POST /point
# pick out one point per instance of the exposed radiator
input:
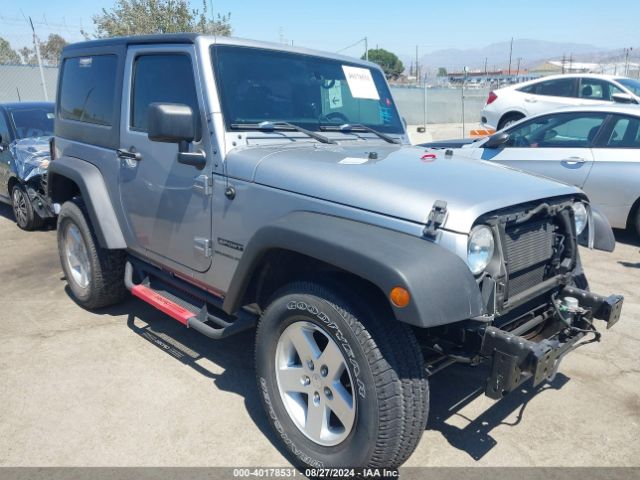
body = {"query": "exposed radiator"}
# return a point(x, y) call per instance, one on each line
point(528, 250)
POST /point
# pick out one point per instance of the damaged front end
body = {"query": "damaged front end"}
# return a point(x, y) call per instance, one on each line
point(534, 348)
point(537, 302)
point(31, 157)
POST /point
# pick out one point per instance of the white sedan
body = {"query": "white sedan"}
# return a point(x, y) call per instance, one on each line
point(510, 104)
point(594, 148)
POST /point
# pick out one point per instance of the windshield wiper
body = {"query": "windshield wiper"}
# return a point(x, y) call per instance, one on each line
point(355, 127)
point(283, 126)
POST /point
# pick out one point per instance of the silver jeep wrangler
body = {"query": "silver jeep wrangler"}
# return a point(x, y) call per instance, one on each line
point(233, 184)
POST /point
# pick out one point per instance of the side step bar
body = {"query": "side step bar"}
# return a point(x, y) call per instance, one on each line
point(194, 317)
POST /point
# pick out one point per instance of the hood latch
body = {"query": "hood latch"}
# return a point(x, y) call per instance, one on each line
point(437, 216)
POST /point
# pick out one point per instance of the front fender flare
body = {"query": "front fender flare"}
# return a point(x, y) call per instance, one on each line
point(96, 197)
point(442, 288)
point(598, 234)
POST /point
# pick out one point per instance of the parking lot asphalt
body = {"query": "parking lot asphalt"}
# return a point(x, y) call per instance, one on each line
point(128, 386)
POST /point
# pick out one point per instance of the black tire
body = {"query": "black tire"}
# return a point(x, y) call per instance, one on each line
point(508, 119)
point(26, 217)
point(636, 224)
point(384, 359)
point(106, 273)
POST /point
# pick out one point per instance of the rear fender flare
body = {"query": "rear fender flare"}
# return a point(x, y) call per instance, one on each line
point(93, 190)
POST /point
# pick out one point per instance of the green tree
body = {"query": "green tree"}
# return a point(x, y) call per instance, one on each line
point(50, 51)
point(390, 63)
point(8, 54)
point(137, 17)
point(442, 72)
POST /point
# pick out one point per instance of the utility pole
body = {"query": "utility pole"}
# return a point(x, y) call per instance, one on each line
point(570, 62)
point(417, 67)
point(366, 49)
point(510, 55)
point(424, 104)
point(518, 70)
point(37, 49)
point(627, 51)
point(486, 74)
point(564, 59)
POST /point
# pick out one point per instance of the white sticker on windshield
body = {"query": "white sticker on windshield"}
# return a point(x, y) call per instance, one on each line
point(360, 82)
point(335, 95)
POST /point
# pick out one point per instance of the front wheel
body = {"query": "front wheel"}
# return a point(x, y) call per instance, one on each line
point(342, 383)
point(26, 216)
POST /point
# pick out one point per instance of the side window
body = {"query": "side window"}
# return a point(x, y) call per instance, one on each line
point(596, 89)
point(562, 87)
point(88, 89)
point(166, 78)
point(5, 138)
point(625, 133)
point(529, 88)
point(569, 130)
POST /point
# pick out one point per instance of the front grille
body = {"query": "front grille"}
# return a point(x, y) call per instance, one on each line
point(528, 250)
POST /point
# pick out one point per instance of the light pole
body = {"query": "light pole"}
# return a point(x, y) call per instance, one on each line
point(37, 49)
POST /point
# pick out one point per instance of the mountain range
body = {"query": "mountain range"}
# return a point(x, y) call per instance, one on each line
point(531, 52)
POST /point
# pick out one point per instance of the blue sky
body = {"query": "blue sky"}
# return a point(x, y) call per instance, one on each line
point(398, 25)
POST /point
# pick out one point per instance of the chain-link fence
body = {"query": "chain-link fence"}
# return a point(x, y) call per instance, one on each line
point(420, 106)
point(417, 105)
point(23, 83)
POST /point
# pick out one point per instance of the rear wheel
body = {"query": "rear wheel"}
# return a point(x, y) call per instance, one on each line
point(95, 275)
point(26, 217)
point(342, 383)
point(509, 119)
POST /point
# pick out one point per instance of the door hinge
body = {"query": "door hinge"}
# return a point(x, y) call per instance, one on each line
point(203, 184)
point(437, 216)
point(204, 246)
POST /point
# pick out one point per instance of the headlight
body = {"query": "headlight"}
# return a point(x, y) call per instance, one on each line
point(480, 249)
point(580, 216)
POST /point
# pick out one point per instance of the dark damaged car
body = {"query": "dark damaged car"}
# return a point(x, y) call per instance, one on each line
point(25, 131)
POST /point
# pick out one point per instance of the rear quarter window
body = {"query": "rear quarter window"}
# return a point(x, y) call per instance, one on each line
point(87, 91)
point(528, 88)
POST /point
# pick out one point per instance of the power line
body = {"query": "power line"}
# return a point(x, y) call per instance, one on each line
point(352, 45)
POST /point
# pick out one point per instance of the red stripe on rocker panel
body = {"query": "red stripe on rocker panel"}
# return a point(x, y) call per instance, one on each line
point(163, 304)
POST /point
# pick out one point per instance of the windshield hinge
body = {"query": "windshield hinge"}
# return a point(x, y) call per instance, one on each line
point(203, 184)
point(437, 216)
point(204, 246)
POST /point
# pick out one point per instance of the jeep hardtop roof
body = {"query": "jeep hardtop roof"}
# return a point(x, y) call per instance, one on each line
point(85, 47)
point(135, 40)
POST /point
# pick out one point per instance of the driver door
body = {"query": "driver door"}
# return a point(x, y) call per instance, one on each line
point(557, 146)
point(166, 204)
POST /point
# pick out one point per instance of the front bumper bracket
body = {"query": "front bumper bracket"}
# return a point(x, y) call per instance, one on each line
point(516, 359)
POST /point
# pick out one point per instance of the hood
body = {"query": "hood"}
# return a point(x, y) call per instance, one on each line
point(395, 180)
point(31, 156)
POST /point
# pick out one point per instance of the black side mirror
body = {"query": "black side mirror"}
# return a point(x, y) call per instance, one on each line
point(496, 140)
point(176, 123)
point(171, 123)
point(623, 98)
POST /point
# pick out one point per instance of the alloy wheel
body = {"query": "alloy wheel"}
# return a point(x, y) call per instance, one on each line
point(315, 383)
point(76, 255)
point(20, 207)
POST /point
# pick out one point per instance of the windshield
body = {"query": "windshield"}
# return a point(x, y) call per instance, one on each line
point(258, 85)
point(32, 121)
point(633, 85)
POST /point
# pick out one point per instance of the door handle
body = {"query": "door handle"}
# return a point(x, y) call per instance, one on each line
point(130, 154)
point(574, 160)
point(530, 100)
